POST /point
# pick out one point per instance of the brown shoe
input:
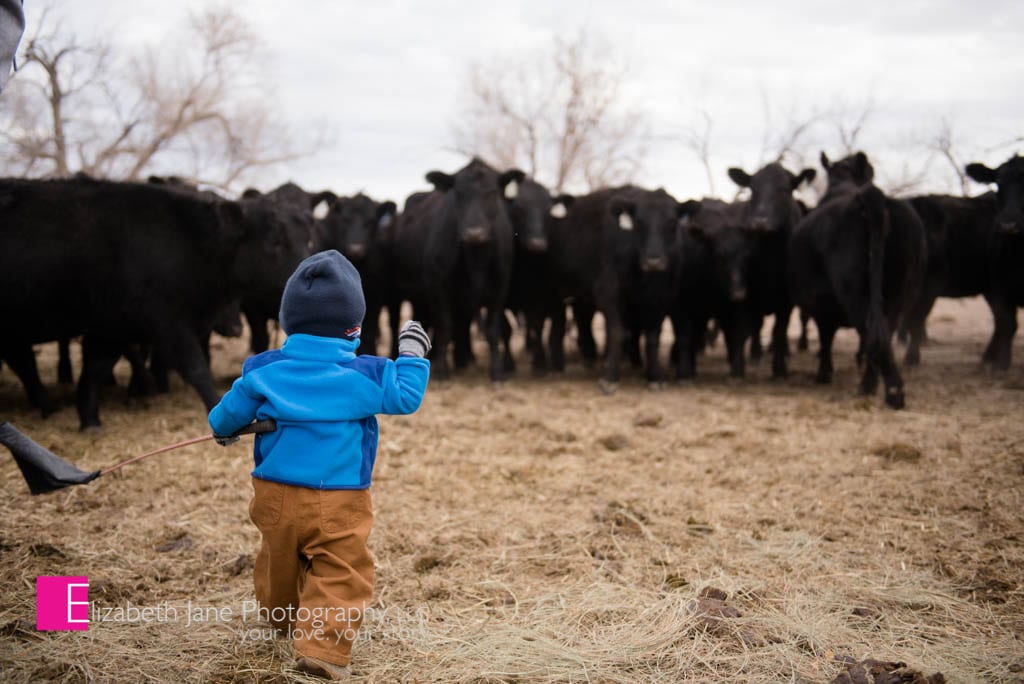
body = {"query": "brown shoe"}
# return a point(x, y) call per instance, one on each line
point(322, 669)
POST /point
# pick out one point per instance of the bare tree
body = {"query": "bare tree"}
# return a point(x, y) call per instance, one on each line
point(561, 117)
point(193, 113)
point(697, 138)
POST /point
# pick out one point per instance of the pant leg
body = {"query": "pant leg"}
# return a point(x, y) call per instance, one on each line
point(338, 584)
point(279, 567)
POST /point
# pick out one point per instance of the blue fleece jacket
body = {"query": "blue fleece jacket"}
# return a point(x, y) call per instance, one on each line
point(325, 400)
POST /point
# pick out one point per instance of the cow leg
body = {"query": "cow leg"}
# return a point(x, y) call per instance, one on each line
point(394, 318)
point(686, 345)
point(826, 333)
point(1005, 328)
point(368, 335)
point(780, 342)
point(98, 359)
point(158, 368)
point(507, 360)
point(583, 315)
point(756, 350)
point(462, 342)
point(613, 347)
point(535, 339)
point(913, 325)
point(493, 329)
point(259, 340)
point(442, 336)
point(881, 358)
point(803, 344)
point(64, 375)
point(22, 360)
point(185, 353)
point(556, 339)
point(631, 346)
point(869, 376)
point(652, 342)
point(735, 340)
point(141, 383)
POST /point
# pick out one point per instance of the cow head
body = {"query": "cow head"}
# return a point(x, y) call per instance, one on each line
point(717, 226)
point(771, 195)
point(276, 236)
point(474, 200)
point(355, 225)
point(531, 210)
point(646, 224)
point(850, 172)
point(1009, 180)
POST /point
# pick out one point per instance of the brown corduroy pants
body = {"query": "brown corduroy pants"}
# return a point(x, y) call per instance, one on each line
point(314, 573)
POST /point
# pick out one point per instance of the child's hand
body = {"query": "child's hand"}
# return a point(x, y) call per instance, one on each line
point(413, 340)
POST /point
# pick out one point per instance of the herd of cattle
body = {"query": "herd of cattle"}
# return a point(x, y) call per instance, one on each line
point(148, 270)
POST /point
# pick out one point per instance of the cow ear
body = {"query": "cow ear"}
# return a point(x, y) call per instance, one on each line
point(326, 196)
point(740, 177)
point(865, 172)
point(561, 205)
point(688, 208)
point(320, 204)
point(805, 176)
point(980, 173)
point(509, 183)
point(440, 180)
point(624, 211)
point(386, 213)
point(825, 164)
point(250, 193)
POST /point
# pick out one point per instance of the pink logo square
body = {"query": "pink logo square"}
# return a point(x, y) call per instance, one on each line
point(62, 603)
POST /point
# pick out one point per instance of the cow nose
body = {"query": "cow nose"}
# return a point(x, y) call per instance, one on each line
point(738, 294)
point(1009, 227)
point(759, 223)
point(655, 264)
point(475, 235)
point(356, 250)
point(537, 244)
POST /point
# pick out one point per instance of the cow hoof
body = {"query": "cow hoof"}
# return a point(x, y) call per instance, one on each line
point(656, 386)
point(91, 429)
point(894, 398)
point(607, 386)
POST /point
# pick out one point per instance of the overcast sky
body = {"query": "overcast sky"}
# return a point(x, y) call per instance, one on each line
point(384, 77)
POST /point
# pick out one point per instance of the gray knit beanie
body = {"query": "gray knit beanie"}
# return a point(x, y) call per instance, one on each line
point(324, 296)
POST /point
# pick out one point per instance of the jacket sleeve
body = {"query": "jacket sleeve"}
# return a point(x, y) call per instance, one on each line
point(236, 409)
point(404, 383)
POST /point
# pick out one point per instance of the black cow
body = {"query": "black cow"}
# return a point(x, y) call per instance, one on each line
point(618, 250)
point(149, 264)
point(1006, 255)
point(713, 286)
point(453, 256)
point(769, 218)
point(264, 305)
point(362, 229)
point(858, 260)
point(533, 291)
point(959, 234)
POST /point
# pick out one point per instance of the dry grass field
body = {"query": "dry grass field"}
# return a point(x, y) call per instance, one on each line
point(539, 531)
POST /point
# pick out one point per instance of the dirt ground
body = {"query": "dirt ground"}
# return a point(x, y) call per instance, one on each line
point(741, 531)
